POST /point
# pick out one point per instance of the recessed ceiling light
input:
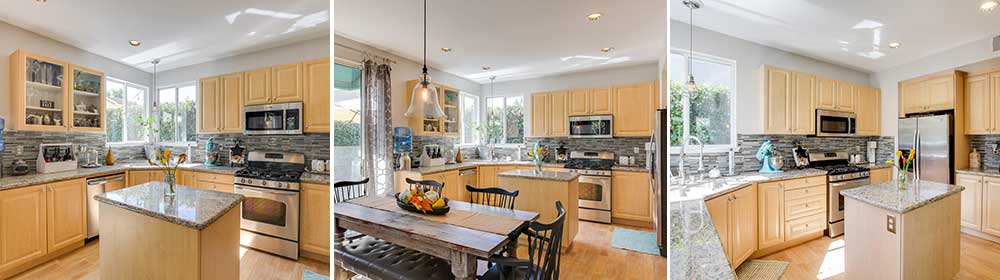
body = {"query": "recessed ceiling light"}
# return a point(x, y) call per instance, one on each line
point(446, 49)
point(486, 68)
point(134, 43)
point(894, 45)
point(594, 16)
point(608, 49)
point(988, 6)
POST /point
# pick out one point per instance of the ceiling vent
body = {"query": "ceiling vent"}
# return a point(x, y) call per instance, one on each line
point(996, 43)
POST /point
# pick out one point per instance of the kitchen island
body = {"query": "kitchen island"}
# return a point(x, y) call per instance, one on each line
point(902, 233)
point(192, 235)
point(539, 191)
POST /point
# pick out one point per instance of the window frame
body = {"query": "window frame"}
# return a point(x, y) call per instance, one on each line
point(148, 108)
point(478, 118)
point(159, 118)
point(525, 116)
point(717, 148)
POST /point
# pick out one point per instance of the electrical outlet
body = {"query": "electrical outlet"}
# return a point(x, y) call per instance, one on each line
point(890, 223)
point(635, 150)
point(18, 150)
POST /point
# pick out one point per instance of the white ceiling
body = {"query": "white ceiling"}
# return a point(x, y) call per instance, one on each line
point(848, 32)
point(518, 39)
point(179, 32)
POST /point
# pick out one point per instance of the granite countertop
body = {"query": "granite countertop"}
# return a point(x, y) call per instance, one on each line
point(695, 248)
point(191, 207)
point(544, 175)
point(477, 163)
point(11, 182)
point(979, 171)
point(888, 196)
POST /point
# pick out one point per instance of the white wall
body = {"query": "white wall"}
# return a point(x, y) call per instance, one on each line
point(13, 38)
point(404, 70)
point(888, 80)
point(305, 50)
point(749, 56)
point(645, 72)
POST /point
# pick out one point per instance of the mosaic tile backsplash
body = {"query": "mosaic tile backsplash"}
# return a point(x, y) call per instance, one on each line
point(748, 144)
point(983, 145)
point(621, 146)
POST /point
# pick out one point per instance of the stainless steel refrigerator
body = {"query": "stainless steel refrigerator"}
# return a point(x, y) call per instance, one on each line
point(932, 137)
point(656, 159)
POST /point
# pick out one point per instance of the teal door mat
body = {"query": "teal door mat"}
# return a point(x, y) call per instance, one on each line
point(634, 240)
point(309, 275)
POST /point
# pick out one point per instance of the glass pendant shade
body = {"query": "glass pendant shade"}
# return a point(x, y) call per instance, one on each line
point(425, 96)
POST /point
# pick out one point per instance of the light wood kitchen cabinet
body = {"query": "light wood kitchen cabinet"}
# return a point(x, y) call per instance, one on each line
point(735, 219)
point(930, 93)
point(633, 109)
point(771, 214)
point(315, 231)
point(880, 175)
point(66, 208)
point(286, 83)
point(449, 124)
point(788, 101)
point(972, 200)
point(23, 221)
point(845, 96)
point(139, 177)
point(979, 104)
point(316, 95)
point(213, 181)
point(450, 180)
point(549, 115)
point(487, 176)
point(87, 89)
point(590, 101)
point(991, 205)
point(631, 197)
point(258, 86)
point(868, 111)
point(45, 94)
point(826, 93)
point(232, 103)
point(209, 99)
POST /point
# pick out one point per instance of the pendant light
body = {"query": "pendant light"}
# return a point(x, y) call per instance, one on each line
point(692, 5)
point(423, 93)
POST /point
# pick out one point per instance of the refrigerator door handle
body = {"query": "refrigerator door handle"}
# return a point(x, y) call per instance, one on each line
point(916, 159)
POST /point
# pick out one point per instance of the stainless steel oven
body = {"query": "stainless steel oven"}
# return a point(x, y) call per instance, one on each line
point(269, 215)
point(590, 126)
point(835, 123)
point(836, 203)
point(282, 118)
point(269, 211)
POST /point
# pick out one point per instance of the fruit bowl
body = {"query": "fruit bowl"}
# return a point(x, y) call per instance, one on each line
point(433, 211)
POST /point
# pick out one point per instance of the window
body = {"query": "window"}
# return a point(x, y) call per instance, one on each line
point(127, 108)
point(347, 127)
point(505, 119)
point(470, 118)
point(711, 100)
point(178, 114)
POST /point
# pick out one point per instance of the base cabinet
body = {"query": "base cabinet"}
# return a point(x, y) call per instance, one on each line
point(40, 222)
point(315, 230)
point(631, 197)
point(972, 200)
point(880, 175)
point(735, 219)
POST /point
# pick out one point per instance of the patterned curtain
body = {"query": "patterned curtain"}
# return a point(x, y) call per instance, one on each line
point(377, 123)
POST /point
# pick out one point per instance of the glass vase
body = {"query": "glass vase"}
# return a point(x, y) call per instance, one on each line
point(538, 165)
point(170, 179)
point(901, 180)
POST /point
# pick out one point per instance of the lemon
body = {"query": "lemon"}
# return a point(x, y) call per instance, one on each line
point(439, 203)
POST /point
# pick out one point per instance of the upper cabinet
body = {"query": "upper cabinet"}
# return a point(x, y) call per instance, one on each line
point(789, 100)
point(221, 98)
point(982, 92)
point(51, 95)
point(448, 99)
point(633, 109)
point(549, 114)
point(936, 92)
point(589, 101)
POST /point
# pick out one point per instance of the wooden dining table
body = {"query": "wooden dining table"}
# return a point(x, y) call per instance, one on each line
point(466, 232)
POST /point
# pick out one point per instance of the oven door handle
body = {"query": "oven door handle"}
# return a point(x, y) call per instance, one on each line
point(274, 192)
point(850, 183)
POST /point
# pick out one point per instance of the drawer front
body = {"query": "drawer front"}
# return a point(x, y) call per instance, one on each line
point(805, 192)
point(804, 207)
point(805, 225)
point(805, 182)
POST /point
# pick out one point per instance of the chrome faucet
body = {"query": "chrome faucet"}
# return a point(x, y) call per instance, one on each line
point(701, 158)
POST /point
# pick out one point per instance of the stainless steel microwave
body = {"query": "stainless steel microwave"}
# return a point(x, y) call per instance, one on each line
point(590, 126)
point(281, 118)
point(835, 123)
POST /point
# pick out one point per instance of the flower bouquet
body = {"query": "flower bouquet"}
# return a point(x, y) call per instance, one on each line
point(169, 168)
point(537, 155)
point(903, 165)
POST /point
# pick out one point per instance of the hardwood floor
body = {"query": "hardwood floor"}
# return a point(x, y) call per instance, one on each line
point(823, 258)
point(592, 257)
point(83, 264)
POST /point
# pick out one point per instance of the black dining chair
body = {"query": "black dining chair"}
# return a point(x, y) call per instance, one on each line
point(496, 197)
point(348, 190)
point(426, 185)
point(544, 249)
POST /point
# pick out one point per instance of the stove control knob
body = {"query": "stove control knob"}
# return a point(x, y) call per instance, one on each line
point(282, 184)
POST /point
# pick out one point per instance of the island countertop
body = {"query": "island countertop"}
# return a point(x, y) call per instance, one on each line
point(890, 197)
point(543, 175)
point(191, 207)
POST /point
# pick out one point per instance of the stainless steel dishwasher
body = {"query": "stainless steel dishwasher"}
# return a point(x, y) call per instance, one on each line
point(96, 186)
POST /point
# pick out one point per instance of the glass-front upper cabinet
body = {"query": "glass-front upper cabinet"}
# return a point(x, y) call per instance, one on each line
point(452, 114)
point(87, 99)
point(39, 92)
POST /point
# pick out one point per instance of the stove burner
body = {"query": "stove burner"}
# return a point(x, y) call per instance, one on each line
point(842, 169)
point(589, 164)
point(270, 174)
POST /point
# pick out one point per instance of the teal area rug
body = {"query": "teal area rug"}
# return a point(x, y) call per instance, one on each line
point(634, 240)
point(309, 275)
